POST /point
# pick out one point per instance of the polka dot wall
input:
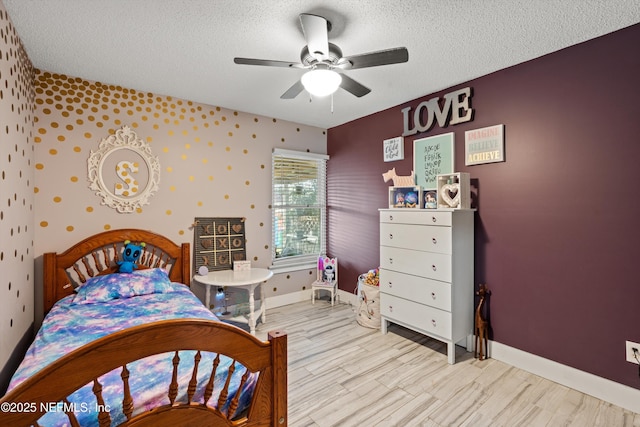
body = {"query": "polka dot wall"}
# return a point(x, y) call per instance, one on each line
point(214, 162)
point(16, 190)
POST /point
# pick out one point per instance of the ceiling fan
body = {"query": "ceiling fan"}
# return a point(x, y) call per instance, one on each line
point(323, 59)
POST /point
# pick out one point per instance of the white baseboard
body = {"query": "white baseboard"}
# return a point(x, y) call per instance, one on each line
point(299, 296)
point(601, 388)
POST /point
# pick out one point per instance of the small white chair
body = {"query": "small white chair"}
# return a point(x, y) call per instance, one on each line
point(328, 279)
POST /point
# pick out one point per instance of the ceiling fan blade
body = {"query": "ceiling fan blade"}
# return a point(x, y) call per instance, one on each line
point(293, 91)
point(317, 35)
point(353, 86)
point(374, 59)
point(267, 62)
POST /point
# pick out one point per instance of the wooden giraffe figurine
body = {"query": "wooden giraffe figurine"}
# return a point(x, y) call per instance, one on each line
point(482, 325)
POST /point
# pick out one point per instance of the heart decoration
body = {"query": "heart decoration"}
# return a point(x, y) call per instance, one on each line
point(237, 228)
point(450, 194)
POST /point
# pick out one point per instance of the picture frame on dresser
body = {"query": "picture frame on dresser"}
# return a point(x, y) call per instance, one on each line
point(405, 197)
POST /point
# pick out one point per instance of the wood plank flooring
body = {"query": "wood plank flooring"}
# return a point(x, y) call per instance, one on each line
point(343, 374)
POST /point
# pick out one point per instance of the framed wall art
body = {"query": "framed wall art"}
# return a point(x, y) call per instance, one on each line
point(485, 145)
point(123, 171)
point(433, 156)
point(218, 243)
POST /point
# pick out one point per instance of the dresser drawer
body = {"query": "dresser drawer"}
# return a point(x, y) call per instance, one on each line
point(420, 316)
point(418, 237)
point(417, 216)
point(426, 264)
point(424, 291)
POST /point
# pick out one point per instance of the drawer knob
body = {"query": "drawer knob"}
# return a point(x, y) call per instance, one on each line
point(391, 236)
point(433, 267)
point(390, 260)
point(390, 309)
point(390, 285)
point(434, 219)
point(390, 217)
point(433, 295)
point(434, 240)
point(433, 322)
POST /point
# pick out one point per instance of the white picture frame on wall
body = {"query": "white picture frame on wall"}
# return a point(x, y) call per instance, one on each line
point(484, 145)
point(393, 149)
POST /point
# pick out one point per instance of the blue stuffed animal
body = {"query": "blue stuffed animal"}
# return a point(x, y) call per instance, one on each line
point(131, 254)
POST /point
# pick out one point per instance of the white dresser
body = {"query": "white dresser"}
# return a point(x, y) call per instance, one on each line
point(426, 273)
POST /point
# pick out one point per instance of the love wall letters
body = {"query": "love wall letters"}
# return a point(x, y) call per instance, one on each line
point(455, 109)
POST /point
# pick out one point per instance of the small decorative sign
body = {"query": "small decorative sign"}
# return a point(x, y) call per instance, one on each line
point(485, 145)
point(393, 149)
point(241, 265)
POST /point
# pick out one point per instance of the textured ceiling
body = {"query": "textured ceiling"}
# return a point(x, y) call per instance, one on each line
point(185, 48)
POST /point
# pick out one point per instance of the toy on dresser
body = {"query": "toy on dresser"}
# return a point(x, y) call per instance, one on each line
point(398, 181)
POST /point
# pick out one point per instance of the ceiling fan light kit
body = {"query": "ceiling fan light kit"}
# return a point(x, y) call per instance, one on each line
point(321, 58)
point(321, 82)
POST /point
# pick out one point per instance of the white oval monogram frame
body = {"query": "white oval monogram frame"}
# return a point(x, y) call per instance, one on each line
point(120, 186)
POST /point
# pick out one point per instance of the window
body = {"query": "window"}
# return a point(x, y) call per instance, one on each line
point(298, 208)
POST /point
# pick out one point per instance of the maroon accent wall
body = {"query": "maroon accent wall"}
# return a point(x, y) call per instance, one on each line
point(558, 224)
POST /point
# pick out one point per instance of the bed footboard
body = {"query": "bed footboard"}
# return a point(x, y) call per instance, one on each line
point(268, 403)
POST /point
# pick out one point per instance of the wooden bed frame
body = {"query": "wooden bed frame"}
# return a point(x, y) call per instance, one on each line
point(98, 255)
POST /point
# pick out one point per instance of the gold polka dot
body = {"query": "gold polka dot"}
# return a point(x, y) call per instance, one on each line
point(226, 196)
point(53, 151)
point(57, 199)
point(165, 149)
point(39, 166)
point(69, 227)
point(44, 224)
point(168, 212)
point(229, 168)
point(247, 183)
point(89, 209)
point(169, 169)
point(227, 148)
point(205, 161)
point(192, 178)
point(77, 149)
point(74, 179)
point(187, 146)
point(183, 157)
point(107, 227)
point(199, 203)
point(253, 206)
point(172, 188)
point(210, 177)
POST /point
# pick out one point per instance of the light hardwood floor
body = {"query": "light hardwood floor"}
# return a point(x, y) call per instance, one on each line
point(342, 374)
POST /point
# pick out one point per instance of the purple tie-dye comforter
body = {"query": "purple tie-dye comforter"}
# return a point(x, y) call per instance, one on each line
point(70, 324)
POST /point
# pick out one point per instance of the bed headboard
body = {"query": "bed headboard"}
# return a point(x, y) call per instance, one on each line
point(97, 254)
